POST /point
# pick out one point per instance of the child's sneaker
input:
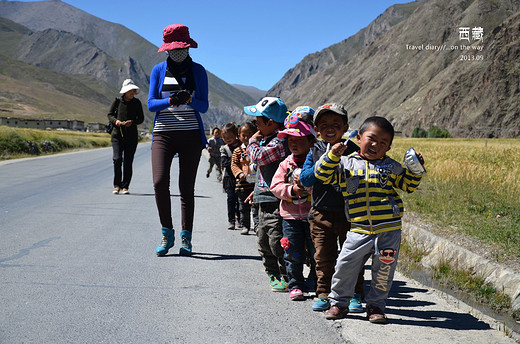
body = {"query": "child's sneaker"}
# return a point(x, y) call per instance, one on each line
point(355, 304)
point(296, 295)
point(274, 281)
point(321, 304)
point(278, 285)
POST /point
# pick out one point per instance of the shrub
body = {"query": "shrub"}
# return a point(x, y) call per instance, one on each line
point(436, 132)
point(419, 132)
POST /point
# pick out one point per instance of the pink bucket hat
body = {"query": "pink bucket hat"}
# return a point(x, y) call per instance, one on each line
point(177, 36)
point(295, 126)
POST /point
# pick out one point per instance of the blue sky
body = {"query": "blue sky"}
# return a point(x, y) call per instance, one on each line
point(245, 42)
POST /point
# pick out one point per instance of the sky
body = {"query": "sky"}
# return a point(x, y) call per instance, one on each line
point(245, 42)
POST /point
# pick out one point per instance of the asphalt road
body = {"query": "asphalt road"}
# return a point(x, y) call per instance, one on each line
point(78, 265)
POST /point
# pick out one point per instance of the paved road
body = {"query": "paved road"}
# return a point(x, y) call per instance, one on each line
point(77, 265)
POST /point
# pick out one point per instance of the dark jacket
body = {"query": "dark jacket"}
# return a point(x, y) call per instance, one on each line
point(126, 110)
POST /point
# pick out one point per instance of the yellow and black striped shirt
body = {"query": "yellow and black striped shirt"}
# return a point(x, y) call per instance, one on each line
point(371, 203)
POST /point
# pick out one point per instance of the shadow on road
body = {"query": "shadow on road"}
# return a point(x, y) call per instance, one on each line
point(407, 311)
point(216, 256)
point(150, 194)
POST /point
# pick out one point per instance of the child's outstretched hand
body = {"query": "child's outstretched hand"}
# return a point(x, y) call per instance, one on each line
point(338, 149)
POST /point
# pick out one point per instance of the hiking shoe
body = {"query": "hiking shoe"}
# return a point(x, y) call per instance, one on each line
point(231, 226)
point(244, 231)
point(355, 304)
point(125, 191)
point(185, 249)
point(321, 304)
point(116, 190)
point(296, 295)
point(336, 312)
point(166, 243)
point(376, 315)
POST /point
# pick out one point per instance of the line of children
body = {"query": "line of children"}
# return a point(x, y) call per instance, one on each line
point(349, 185)
point(296, 203)
point(245, 178)
point(231, 142)
point(213, 147)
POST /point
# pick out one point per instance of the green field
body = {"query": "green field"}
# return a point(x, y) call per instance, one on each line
point(472, 187)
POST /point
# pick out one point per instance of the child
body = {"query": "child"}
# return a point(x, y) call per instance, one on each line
point(230, 138)
point(327, 216)
point(213, 147)
point(267, 151)
point(295, 203)
point(245, 178)
point(374, 209)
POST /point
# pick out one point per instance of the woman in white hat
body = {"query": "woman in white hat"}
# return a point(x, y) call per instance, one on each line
point(126, 112)
point(178, 95)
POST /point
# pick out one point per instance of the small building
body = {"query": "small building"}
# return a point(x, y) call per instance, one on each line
point(39, 123)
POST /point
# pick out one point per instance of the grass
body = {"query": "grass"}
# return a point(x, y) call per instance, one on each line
point(19, 143)
point(471, 187)
point(467, 282)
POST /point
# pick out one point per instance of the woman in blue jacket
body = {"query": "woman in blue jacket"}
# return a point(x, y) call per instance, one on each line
point(178, 94)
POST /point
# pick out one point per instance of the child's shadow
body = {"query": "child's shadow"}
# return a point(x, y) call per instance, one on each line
point(402, 303)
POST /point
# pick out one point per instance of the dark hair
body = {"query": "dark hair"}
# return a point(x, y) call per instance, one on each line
point(216, 128)
point(232, 127)
point(265, 119)
point(343, 118)
point(380, 122)
point(250, 125)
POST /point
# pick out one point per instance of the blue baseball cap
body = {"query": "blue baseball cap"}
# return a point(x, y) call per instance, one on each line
point(270, 107)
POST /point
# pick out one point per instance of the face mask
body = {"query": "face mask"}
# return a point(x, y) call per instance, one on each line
point(178, 55)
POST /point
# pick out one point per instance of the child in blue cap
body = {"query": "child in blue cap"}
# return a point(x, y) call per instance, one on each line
point(266, 150)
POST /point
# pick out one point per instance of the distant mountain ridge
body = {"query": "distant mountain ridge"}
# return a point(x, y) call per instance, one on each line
point(59, 37)
point(375, 74)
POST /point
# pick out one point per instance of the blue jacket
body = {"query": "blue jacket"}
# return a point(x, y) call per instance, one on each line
point(324, 196)
point(200, 103)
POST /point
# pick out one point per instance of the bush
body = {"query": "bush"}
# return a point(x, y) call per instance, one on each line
point(436, 132)
point(419, 133)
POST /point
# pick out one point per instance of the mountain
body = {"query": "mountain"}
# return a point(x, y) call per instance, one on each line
point(469, 88)
point(252, 91)
point(58, 37)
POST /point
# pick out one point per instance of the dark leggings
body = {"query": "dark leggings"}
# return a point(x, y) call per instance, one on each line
point(164, 146)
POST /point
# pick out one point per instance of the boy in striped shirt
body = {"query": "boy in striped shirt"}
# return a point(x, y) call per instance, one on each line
point(375, 211)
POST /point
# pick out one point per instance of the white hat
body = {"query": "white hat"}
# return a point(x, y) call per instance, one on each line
point(128, 85)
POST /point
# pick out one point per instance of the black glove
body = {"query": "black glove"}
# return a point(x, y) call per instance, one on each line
point(179, 98)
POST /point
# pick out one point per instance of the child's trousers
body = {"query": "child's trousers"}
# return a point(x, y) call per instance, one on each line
point(384, 249)
point(298, 233)
point(269, 234)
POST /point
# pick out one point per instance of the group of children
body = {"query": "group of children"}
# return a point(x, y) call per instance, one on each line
point(314, 196)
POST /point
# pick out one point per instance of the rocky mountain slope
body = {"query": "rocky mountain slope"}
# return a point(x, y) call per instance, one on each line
point(469, 87)
point(55, 36)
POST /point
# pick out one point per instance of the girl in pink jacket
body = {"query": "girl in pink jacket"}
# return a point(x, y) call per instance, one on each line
point(295, 203)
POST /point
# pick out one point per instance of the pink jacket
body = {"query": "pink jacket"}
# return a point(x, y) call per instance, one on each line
point(291, 208)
